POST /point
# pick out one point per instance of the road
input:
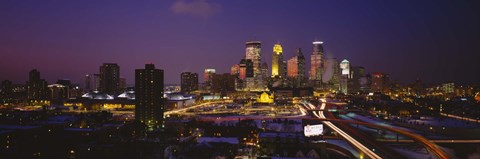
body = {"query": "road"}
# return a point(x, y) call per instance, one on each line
point(346, 136)
point(435, 141)
point(432, 147)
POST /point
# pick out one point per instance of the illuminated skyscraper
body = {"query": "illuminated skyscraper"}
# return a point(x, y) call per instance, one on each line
point(345, 75)
point(149, 96)
point(317, 62)
point(235, 70)
point(345, 66)
point(296, 69)
point(188, 81)
point(278, 68)
point(207, 74)
point(110, 78)
point(253, 52)
point(296, 65)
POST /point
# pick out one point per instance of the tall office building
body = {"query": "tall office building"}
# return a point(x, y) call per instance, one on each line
point(36, 87)
point(335, 79)
point(345, 66)
point(278, 68)
point(264, 70)
point(235, 70)
point(317, 62)
point(345, 75)
point(96, 82)
point(357, 73)
point(296, 69)
point(380, 82)
point(207, 76)
point(149, 99)
point(296, 65)
point(246, 68)
point(188, 81)
point(253, 52)
point(110, 78)
point(88, 83)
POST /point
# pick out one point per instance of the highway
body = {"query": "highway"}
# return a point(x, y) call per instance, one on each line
point(435, 141)
point(196, 106)
point(432, 147)
point(347, 137)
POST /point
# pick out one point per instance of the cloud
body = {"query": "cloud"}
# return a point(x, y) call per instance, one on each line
point(197, 8)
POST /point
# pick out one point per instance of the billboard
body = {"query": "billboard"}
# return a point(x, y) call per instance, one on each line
point(313, 130)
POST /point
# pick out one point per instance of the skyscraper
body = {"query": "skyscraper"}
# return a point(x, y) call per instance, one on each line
point(149, 96)
point(278, 68)
point(207, 76)
point(334, 81)
point(357, 73)
point(317, 62)
point(380, 82)
point(246, 68)
point(253, 52)
point(296, 69)
point(36, 87)
point(345, 75)
point(110, 78)
point(264, 70)
point(296, 65)
point(188, 81)
point(235, 70)
point(88, 82)
point(96, 82)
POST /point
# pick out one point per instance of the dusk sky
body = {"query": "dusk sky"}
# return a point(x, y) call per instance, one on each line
point(433, 40)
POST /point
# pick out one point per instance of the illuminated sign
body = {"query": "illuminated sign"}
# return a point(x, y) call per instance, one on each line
point(317, 42)
point(313, 130)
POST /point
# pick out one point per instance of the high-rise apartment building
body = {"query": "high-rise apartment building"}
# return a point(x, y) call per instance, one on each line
point(149, 98)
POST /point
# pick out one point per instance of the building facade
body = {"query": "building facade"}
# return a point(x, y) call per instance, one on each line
point(36, 87)
point(253, 52)
point(188, 81)
point(149, 98)
point(110, 78)
point(278, 68)
point(317, 62)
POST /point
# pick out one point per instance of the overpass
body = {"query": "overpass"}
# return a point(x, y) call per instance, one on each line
point(438, 152)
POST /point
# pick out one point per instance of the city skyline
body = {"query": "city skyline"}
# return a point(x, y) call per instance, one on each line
point(65, 44)
point(240, 79)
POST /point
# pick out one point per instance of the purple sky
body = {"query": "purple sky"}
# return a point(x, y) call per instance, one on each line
point(433, 40)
